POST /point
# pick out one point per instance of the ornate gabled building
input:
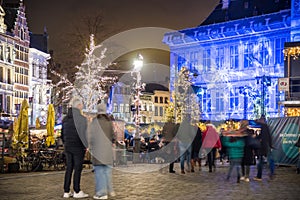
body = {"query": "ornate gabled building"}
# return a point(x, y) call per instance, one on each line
point(40, 86)
point(235, 57)
point(14, 50)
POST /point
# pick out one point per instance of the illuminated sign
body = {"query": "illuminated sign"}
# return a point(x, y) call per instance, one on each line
point(283, 84)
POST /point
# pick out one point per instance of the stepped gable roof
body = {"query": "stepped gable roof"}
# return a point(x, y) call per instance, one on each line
point(150, 87)
point(237, 10)
point(11, 11)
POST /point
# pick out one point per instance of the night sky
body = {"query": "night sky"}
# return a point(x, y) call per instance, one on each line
point(57, 15)
point(118, 15)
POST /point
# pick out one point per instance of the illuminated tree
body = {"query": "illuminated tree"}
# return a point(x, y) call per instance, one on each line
point(89, 84)
point(186, 101)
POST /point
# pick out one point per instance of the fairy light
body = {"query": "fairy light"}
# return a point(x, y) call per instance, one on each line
point(294, 52)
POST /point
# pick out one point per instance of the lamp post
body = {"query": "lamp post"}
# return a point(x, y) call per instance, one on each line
point(265, 82)
point(138, 64)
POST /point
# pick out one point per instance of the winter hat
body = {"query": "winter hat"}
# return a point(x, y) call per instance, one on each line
point(101, 108)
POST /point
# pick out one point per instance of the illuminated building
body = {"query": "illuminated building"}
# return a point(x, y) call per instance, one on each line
point(14, 56)
point(23, 63)
point(235, 57)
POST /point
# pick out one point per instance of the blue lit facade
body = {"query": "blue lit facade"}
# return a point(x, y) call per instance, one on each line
point(235, 64)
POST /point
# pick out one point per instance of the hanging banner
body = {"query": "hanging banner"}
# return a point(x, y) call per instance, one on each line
point(285, 132)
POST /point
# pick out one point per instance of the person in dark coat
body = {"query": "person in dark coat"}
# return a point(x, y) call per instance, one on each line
point(168, 133)
point(73, 134)
point(249, 157)
point(266, 146)
point(101, 137)
point(196, 146)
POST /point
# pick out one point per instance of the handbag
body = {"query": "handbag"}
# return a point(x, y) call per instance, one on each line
point(297, 144)
point(253, 142)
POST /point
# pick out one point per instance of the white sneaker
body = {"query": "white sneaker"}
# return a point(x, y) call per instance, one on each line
point(247, 180)
point(242, 178)
point(80, 195)
point(67, 195)
point(100, 197)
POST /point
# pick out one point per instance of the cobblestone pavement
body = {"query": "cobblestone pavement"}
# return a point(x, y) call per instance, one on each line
point(157, 184)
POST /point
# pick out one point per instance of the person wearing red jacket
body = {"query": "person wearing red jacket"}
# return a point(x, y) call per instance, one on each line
point(210, 143)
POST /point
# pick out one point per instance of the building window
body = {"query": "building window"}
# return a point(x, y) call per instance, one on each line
point(8, 55)
point(155, 99)
point(22, 34)
point(1, 53)
point(161, 100)
point(121, 108)
point(166, 100)
point(1, 74)
point(206, 60)
point(234, 99)
point(8, 104)
point(234, 57)
point(9, 76)
point(248, 55)
point(205, 100)
point(219, 102)
point(219, 58)
point(194, 60)
point(279, 46)
point(262, 53)
point(181, 60)
point(155, 111)
point(115, 107)
point(161, 111)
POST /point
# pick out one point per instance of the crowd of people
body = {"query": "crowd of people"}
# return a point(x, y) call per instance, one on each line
point(243, 147)
point(181, 142)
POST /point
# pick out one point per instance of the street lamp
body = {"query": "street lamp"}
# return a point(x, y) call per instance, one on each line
point(265, 82)
point(138, 64)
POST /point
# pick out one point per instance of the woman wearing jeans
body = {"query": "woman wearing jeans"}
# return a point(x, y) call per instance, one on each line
point(100, 145)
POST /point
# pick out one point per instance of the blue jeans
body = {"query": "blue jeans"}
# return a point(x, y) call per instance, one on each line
point(74, 162)
point(103, 179)
point(185, 154)
point(260, 166)
point(271, 163)
point(234, 163)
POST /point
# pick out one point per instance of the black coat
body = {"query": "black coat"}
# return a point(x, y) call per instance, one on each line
point(265, 138)
point(197, 142)
point(249, 157)
point(74, 130)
